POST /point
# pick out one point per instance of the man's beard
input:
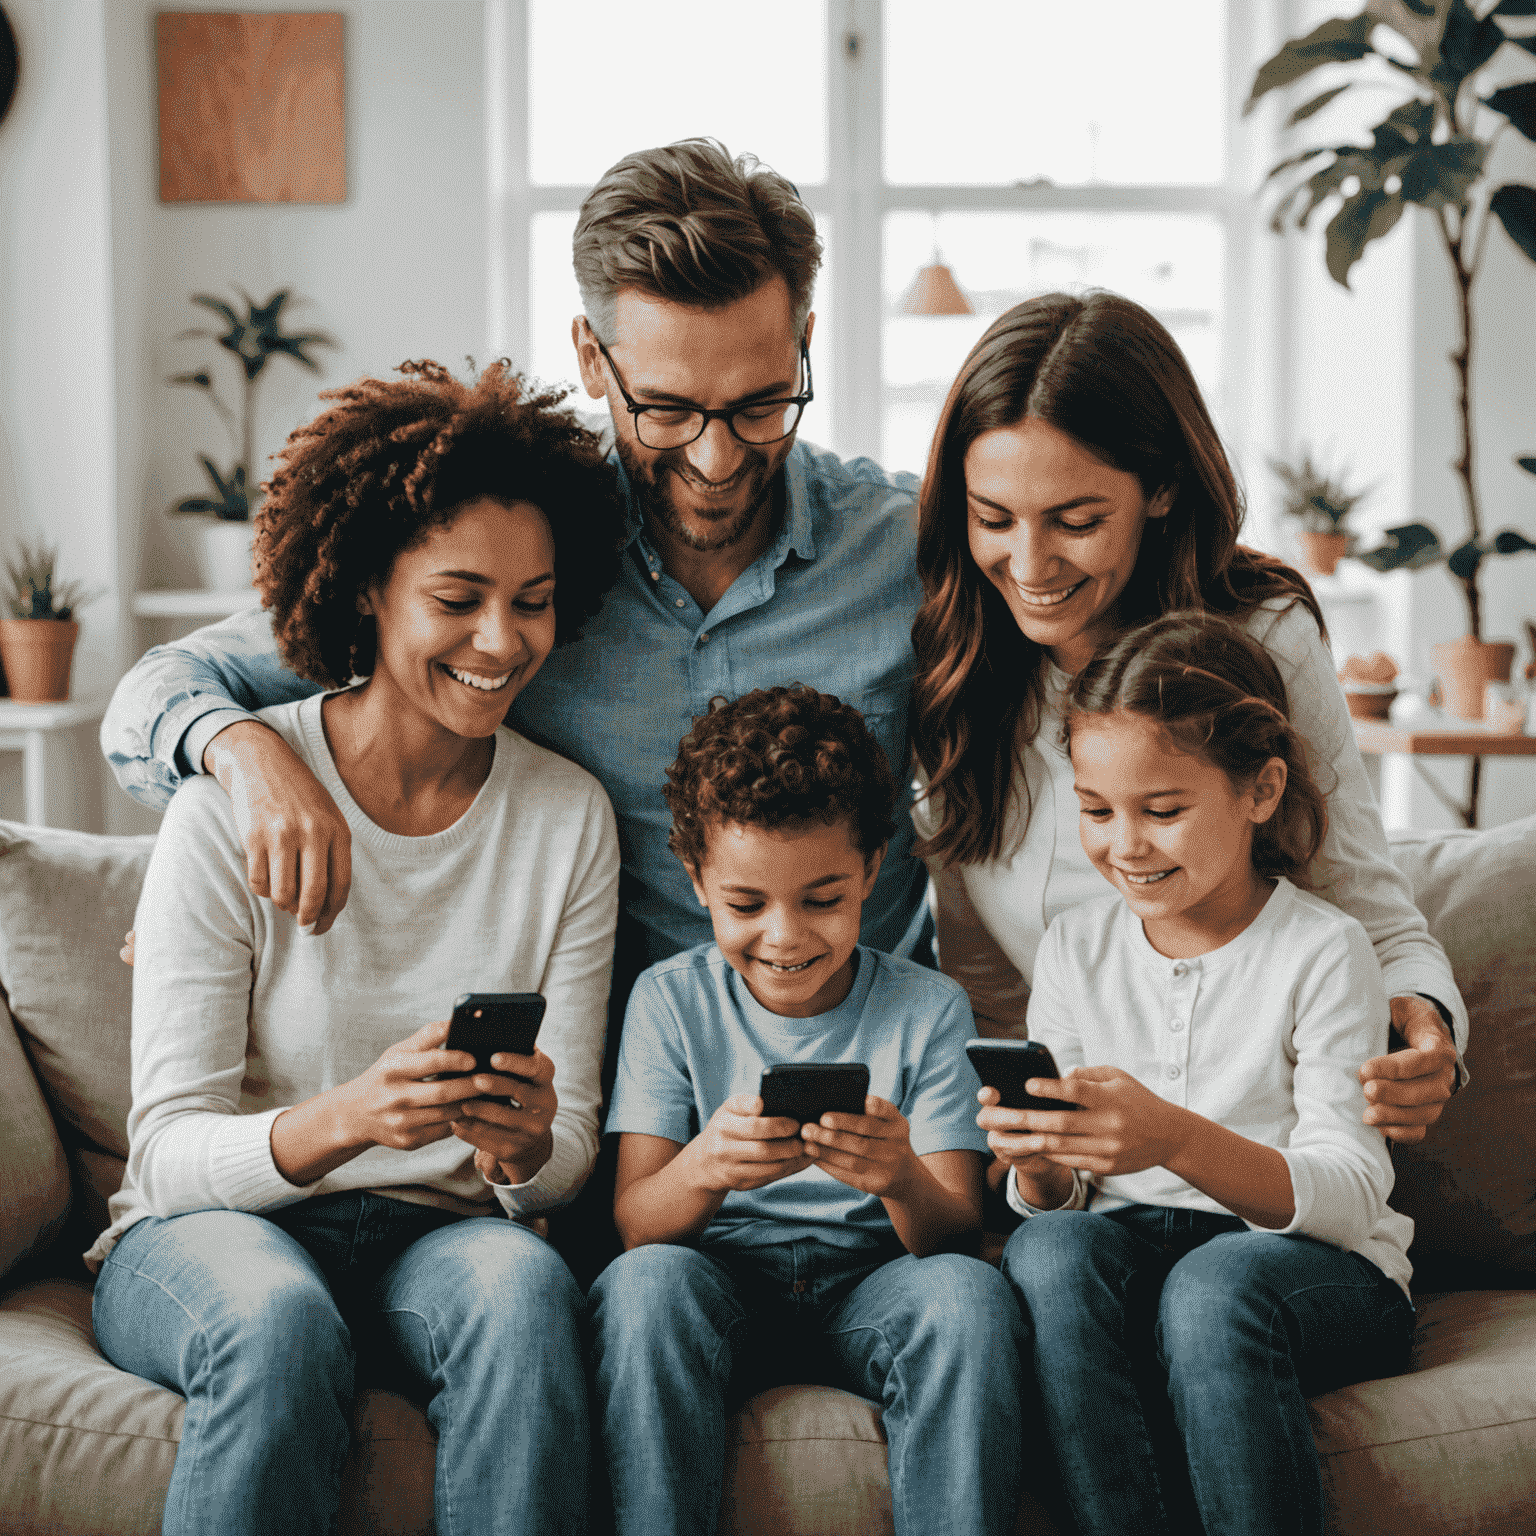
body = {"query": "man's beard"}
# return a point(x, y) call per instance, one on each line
point(652, 484)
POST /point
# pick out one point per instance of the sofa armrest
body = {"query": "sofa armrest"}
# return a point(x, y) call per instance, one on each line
point(34, 1171)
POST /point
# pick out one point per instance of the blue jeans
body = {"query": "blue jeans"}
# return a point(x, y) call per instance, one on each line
point(1174, 1352)
point(257, 1320)
point(681, 1335)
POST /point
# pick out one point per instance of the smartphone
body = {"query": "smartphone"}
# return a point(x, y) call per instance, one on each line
point(1008, 1064)
point(805, 1091)
point(484, 1023)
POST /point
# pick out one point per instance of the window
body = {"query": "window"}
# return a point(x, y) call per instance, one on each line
point(1032, 145)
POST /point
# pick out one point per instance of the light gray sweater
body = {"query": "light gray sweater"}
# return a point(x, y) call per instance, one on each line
point(238, 1015)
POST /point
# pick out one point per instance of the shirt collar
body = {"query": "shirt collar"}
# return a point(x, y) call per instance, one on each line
point(797, 533)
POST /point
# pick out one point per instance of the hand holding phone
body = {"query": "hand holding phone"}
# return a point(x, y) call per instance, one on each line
point(743, 1147)
point(1008, 1065)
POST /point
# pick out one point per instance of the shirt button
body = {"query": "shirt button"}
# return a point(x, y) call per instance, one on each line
point(1180, 968)
point(1175, 1025)
point(704, 639)
point(679, 602)
point(655, 575)
point(799, 1287)
point(1173, 1072)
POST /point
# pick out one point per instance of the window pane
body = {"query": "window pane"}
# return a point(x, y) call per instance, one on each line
point(1003, 91)
point(1172, 263)
point(607, 78)
point(554, 299)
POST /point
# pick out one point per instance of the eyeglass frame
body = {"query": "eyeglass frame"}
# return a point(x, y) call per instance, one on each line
point(636, 410)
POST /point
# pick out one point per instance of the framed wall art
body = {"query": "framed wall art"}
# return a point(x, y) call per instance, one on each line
point(252, 107)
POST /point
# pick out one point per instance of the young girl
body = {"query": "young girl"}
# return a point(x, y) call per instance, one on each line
point(1209, 1232)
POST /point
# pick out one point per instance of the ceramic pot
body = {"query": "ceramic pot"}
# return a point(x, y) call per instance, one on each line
point(1376, 705)
point(37, 654)
point(1323, 551)
point(1465, 667)
point(222, 550)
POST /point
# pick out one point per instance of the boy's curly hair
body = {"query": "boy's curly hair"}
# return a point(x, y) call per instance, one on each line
point(776, 757)
point(388, 461)
point(1218, 695)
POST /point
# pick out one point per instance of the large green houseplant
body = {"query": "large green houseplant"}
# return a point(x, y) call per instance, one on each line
point(1431, 149)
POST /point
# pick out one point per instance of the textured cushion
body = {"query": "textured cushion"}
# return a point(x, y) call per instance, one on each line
point(88, 1448)
point(806, 1461)
point(34, 1176)
point(1448, 1447)
point(1470, 1186)
point(66, 899)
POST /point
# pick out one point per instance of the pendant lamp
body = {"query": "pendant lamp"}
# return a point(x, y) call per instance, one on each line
point(934, 291)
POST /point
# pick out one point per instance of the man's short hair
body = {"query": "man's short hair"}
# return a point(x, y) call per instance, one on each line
point(687, 223)
point(779, 757)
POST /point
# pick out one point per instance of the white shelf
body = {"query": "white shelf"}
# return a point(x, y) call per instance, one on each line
point(49, 717)
point(193, 604)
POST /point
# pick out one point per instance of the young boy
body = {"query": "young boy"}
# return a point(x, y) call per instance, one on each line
point(762, 1250)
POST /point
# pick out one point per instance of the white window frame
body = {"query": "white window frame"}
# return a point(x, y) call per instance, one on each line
point(857, 197)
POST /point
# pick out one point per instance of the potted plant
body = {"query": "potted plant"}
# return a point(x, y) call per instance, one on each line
point(1432, 150)
point(1320, 502)
point(37, 641)
point(255, 338)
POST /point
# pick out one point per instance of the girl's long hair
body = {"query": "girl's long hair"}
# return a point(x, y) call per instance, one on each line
point(1218, 695)
point(1104, 371)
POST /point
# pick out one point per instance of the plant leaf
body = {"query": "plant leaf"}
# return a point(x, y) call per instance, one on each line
point(1514, 8)
point(197, 504)
point(1304, 156)
point(1403, 129)
point(199, 380)
point(1465, 559)
point(1511, 543)
point(1468, 42)
point(1316, 105)
point(1527, 462)
point(1441, 175)
point(1335, 41)
point(1366, 216)
point(1409, 547)
point(1516, 208)
point(1528, 43)
point(218, 306)
point(1518, 104)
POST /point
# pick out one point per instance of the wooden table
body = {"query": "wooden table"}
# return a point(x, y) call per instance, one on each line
point(1462, 740)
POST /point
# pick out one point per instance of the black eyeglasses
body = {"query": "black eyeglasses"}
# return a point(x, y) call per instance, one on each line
point(756, 423)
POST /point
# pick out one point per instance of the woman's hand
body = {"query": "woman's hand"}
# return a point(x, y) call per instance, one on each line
point(871, 1152)
point(511, 1144)
point(125, 954)
point(1408, 1089)
point(742, 1149)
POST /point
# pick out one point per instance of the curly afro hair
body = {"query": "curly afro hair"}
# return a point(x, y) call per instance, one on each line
point(388, 461)
point(778, 757)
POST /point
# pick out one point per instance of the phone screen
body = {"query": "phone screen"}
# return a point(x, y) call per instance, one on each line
point(805, 1091)
point(484, 1023)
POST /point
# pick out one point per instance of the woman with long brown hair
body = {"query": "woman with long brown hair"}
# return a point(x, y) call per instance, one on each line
point(1077, 487)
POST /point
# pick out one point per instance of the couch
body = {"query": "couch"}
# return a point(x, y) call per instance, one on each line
point(86, 1448)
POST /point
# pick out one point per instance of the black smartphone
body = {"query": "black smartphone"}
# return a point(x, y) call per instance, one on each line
point(805, 1091)
point(486, 1022)
point(1008, 1064)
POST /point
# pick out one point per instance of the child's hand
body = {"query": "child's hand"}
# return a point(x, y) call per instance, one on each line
point(871, 1152)
point(1123, 1127)
point(1009, 1135)
point(741, 1149)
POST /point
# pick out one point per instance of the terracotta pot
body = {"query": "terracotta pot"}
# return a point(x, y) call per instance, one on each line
point(37, 654)
point(1465, 666)
point(1370, 706)
point(1323, 551)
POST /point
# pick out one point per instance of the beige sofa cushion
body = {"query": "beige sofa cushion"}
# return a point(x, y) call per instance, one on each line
point(88, 1448)
point(67, 900)
point(34, 1175)
point(1469, 1185)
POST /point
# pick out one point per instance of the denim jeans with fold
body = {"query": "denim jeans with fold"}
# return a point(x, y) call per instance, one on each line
point(1174, 1351)
point(681, 1335)
point(257, 1321)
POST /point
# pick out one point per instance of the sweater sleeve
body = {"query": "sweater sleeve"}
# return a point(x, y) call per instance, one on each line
point(190, 1148)
point(575, 987)
point(969, 954)
point(1356, 872)
point(177, 698)
point(1341, 1171)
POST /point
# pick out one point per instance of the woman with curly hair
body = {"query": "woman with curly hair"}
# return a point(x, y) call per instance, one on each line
point(1077, 487)
point(311, 1172)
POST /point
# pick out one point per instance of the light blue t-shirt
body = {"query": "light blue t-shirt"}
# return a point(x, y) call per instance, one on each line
point(695, 1036)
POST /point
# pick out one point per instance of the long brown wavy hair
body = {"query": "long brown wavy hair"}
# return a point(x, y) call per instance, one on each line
point(1107, 373)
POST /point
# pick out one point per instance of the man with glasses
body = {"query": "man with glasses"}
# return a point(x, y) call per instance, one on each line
point(750, 560)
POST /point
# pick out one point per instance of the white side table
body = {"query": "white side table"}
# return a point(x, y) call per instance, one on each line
point(59, 782)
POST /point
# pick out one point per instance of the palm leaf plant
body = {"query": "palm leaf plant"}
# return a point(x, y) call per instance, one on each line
point(255, 338)
point(1431, 149)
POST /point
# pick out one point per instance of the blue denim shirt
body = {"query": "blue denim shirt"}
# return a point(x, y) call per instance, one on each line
point(830, 605)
